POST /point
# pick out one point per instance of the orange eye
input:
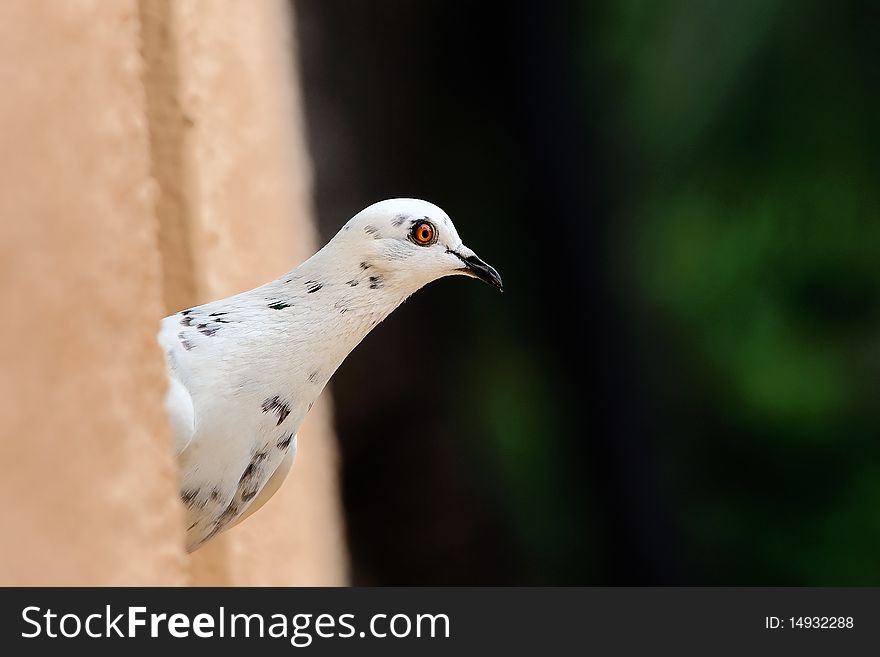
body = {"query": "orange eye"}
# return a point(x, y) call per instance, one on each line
point(422, 233)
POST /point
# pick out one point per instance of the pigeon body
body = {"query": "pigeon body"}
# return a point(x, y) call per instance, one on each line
point(245, 370)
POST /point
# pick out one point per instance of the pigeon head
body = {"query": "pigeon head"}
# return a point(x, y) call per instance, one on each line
point(412, 241)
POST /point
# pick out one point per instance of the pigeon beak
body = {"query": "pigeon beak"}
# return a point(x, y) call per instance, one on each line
point(475, 267)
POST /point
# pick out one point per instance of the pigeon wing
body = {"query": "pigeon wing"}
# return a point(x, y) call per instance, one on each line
point(179, 406)
point(272, 485)
point(178, 401)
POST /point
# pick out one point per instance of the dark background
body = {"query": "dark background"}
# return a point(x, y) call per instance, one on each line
point(679, 384)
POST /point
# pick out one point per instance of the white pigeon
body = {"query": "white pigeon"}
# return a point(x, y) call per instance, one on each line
point(245, 370)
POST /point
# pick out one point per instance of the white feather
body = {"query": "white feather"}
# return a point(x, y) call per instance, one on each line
point(245, 370)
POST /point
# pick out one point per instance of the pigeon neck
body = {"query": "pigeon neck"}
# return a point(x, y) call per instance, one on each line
point(340, 300)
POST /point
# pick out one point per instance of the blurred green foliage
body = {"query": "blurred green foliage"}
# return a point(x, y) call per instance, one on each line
point(680, 382)
point(748, 248)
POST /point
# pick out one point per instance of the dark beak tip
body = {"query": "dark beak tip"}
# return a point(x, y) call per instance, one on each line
point(481, 270)
point(495, 279)
point(488, 275)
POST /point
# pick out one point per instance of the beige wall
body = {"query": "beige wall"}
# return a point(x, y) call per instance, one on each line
point(153, 158)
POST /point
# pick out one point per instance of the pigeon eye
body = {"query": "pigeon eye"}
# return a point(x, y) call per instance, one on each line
point(423, 233)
